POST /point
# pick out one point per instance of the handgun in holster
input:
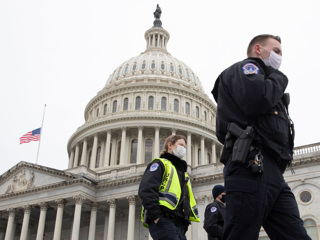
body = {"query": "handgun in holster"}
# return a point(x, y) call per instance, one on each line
point(239, 147)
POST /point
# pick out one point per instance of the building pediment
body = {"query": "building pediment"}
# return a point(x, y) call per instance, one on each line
point(27, 176)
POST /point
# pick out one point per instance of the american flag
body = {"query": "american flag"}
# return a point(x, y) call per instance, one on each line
point(31, 136)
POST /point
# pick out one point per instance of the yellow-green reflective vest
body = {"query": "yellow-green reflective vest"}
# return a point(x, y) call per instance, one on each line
point(170, 192)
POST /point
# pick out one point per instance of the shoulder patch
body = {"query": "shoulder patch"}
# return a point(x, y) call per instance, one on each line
point(213, 209)
point(154, 167)
point(250, 68)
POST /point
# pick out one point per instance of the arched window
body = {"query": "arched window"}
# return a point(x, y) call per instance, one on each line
point(126, 69)
point(118, 153)
point(311, 227)
point(162, 66)
point(98, 157)
point(153, 65)
point(89, 162)
point(205, 115)
point(163, 104)
point(105, 109)
point(134, 149)
point(134, 67)
point(150, 103)
point(199, 156)
point(143, 66)
point(161, 144)
point(187, 110)
point(171, 68)
point(138, 102)
point(176, 105)
point(114, 108)
point(97, 112)
point(148, 151)
point(197, 112)
point(125, 104)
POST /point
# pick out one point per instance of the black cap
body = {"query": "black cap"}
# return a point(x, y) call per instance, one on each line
point(217, 190)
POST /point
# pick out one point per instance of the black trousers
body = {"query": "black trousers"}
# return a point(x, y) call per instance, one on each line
point(259, 200)
point(167, 229)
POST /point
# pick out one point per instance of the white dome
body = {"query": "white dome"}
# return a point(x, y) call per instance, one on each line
point(155, 61)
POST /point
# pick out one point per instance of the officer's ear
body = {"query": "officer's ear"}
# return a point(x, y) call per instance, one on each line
point(256, 50)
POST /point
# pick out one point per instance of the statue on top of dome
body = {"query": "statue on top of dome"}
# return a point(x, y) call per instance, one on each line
point(157, 13)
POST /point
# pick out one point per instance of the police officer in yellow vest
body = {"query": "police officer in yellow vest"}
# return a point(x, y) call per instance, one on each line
point(166, 194)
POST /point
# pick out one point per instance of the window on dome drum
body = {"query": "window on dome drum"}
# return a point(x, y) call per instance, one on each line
point(98, 157)
point(150, 103)
point(311, 227)
point(305, 196)
point(105, 109)
point(171, 68)
point(110, 155)
point(134, 149)
point(134, 67)
point(205, 115)
point(115, 103)
point(125, 104)
point(143, 66)
point(162, 66)
point(126, 69)
point(199, 156)
point(153, 65)
point(118, 152)
point(163, 104)
point(180, 70)
point(119, 72)
point(188, 76)
point(138, 103)
point(176, 105)
point(97, 112)
point(187, 108)
point(197, 112)
point(89, 162)
point(208, 158)
point(161, 144)
point(148, 151)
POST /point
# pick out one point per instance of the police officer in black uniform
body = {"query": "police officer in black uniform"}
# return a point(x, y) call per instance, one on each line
point(250, 94)
point(163, 222)
point(214, 214)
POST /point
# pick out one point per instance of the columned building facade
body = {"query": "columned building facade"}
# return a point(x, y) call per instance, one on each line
point(145, 99)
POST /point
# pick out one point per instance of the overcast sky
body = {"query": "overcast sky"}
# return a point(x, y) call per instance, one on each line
point(61, 52)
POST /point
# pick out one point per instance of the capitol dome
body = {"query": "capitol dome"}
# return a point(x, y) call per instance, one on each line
point(146, 99)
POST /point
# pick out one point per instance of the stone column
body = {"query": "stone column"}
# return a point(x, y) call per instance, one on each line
point(93, 219)
point(113, 151)
point(25, 223)
point(213, 153)
point(196, 155)
point(77, 217)
point(84, 153)
point(107, 150)
point(9, 231)
point(189, 149)
point(112, 218)
point(106, 223)
point(71, 159)
point(200, 205)
point(42, 220)
point(58, 224)
point(76, 156)
point(123, 146)
point(132, 213)
point(139, 150)
point(202, 161)
point(94, 152)
point(156, 143)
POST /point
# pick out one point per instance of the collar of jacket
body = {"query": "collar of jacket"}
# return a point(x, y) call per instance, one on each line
point(177, 162)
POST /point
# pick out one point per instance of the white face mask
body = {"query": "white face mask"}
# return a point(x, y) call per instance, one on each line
point(274, 60)
point(179, 152)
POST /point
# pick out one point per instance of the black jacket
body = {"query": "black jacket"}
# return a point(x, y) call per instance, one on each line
point(250, 93)
point(149, 190)
point(214, 219)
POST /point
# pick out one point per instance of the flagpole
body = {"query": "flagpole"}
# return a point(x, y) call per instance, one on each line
point(41, 133)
